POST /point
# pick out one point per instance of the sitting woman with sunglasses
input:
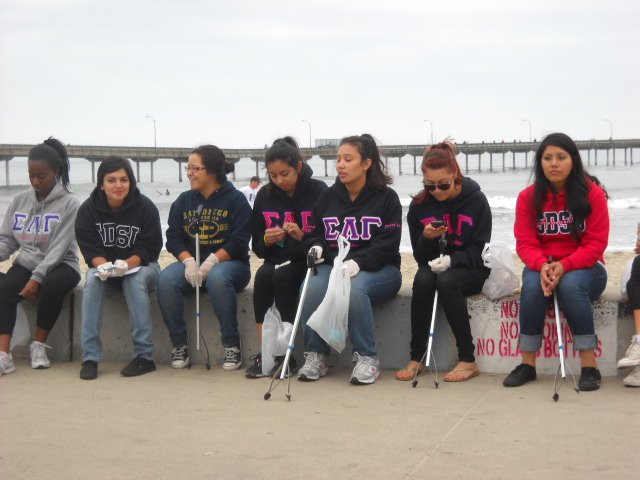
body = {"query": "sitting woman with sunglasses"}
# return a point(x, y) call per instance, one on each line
point(453, 207)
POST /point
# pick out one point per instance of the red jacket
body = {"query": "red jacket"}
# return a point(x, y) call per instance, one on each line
point(537, 239)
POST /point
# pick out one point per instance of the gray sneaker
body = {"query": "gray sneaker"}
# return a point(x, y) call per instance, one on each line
point(38, 354)
point(6, 363)
point(232, 358)
point(315, 366)
point(366, 371)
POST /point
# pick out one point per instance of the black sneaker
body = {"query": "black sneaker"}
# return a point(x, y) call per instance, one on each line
point(232, 358)
point(89, 370)
point(138, 366)
point(293, 365)
point(180, 357)
point(589, 379)
point(255, 370)
point(520, 375)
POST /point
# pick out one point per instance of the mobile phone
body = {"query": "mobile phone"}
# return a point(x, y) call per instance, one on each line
point(437, 224)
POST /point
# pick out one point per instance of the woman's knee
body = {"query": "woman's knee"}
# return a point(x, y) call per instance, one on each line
point(425, 280)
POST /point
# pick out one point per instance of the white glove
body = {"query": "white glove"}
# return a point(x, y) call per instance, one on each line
point(351, 267)
point(104, 270)
point(314, 256)
point(440, 264)
point(120, 268)
point(191, 271)
point(207, 266)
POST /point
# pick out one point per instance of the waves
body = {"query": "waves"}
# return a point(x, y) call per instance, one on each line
point(509, 203)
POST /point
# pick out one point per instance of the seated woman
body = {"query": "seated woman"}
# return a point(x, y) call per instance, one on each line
point(39, 225)
point(220, 213)
point(118, 229)
point(456, 203)
point(361, 207)
point(632, 357)
point(561, 230)
point(281, 217)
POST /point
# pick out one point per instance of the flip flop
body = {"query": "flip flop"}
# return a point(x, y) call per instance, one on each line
point(408, 373)
point(474, 373)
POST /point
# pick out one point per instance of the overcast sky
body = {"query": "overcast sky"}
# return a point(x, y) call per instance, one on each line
point(241, 73)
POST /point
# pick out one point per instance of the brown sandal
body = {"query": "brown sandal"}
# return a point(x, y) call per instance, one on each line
point(408, 373)
point(472, 372)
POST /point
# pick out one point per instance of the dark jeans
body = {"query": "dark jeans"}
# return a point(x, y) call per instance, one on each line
point(633, 285)
point(453, 286)
point(281, 285)
point(59, 281)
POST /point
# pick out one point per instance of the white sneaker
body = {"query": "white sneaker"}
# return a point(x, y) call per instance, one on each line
point(633, 379)
point(632, 357)
point(315, 366)
point(366, 371)
point(6, 363)
point(38, 351)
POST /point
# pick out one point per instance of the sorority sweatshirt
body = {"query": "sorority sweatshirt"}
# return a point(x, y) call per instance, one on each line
point(372, 223)
point(273, 207)
point(468, 220)
point(42, 231)
point(537, 239)
point(225, 222)
point(134, 229)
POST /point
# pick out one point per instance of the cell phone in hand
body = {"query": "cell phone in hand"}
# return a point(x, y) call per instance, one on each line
point(437, 223)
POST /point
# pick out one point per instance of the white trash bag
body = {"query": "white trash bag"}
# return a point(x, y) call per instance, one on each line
point(624, 278)
point(331, 318)
point(275, 338)
point(21, 332)
point(502, 280)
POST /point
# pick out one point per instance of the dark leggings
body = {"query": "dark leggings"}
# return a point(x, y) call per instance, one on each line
point(59, 281)
point(282, 285)
point(453, 285)
point(633, 285)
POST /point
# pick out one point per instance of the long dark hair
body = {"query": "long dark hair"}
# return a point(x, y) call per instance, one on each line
point(52, 152)
point(285, 149)
point(577, 186)
point(377, 176)
point(215, 162)
point(440, 155)
point(113, 164)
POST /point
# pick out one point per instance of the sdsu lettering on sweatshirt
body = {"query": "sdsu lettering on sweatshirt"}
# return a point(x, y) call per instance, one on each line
point(273, 208)
point(225, 222)
point(116, 235)
point(468, 220)
point(537, 239)
point(372, 223)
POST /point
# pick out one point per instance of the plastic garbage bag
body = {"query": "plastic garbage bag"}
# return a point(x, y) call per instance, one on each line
point(502, 280)
point(21, 332)
point(331, 318)
point(275, 338)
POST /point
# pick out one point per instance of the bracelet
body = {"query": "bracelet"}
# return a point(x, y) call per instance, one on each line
point(264, 238)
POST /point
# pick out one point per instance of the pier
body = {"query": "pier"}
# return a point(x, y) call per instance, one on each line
point(473, 157)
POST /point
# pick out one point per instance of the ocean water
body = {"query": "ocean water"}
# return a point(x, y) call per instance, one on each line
point(501, 189)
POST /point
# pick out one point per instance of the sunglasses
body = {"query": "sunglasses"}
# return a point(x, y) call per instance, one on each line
point(430, 187)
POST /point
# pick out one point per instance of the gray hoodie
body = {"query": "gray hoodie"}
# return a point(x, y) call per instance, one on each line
point(42, 231)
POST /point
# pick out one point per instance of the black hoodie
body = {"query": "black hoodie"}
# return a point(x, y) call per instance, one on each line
point(133, 230)
point(468, 221)
point(273, 207)
point(372, 224)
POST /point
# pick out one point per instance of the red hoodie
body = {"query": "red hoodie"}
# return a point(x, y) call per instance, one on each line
point(537, 239)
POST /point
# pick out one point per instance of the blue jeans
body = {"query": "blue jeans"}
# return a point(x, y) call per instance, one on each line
point(367, 288)
point(223, 282)
point(576, 290)
point(136, 288)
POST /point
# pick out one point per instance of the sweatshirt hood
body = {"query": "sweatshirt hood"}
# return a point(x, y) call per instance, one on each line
point(57, 192)
point(343, 194)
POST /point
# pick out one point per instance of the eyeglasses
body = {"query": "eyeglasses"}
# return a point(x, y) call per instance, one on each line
point(430, 187)
point(188, 168)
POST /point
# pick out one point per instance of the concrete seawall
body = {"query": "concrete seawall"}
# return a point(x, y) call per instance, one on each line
point(494, 326)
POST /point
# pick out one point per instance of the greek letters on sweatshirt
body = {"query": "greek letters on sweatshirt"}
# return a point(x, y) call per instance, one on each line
point(273, 208)
point(42, 231)
point(372, 223)
point(116, 235)
point(468, 220)
point(537, 239)
point(225, 222)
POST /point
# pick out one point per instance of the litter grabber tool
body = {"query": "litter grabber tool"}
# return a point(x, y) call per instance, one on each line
point(207, 359)
point(561, 350)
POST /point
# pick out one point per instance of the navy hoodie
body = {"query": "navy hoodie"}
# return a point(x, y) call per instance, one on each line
point(225, 222)
point(468, 221)
point(372, 223)
point(133, 230)
point(273, 207)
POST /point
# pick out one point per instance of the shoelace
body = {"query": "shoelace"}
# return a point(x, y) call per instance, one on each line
point(633, 350)
point(39, 351)
point(231, 354)
point(179, 353)
point(363, 363)
point(256, 359)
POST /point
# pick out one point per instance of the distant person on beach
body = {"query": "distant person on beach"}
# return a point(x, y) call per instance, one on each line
point(118, 230)
point(39, 226)
point(219, 212)
point(362, 207)
point(281, 218)
point(251, 190)
point(561, 230)
point(452, 206)
point(632, 357)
